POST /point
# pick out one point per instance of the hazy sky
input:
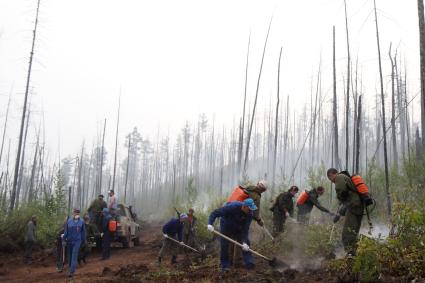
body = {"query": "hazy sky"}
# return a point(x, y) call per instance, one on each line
point(176, 59)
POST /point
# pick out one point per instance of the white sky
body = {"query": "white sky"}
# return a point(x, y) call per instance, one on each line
point(177, 59)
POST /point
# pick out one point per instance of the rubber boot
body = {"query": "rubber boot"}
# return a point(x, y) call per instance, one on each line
point(159, 261)
point(174, 259)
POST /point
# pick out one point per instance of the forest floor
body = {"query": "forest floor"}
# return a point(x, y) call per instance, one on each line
point(139, 264)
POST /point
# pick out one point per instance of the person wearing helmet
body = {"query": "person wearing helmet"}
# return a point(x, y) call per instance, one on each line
point(235, 219)
point(172, 229)
point(283, 207)
point(240, 193)
point(306, 201)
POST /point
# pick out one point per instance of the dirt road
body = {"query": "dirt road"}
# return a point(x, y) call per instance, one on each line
point(138, 264)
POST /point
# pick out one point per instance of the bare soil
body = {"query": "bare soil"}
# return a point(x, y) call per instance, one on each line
point(139, 264)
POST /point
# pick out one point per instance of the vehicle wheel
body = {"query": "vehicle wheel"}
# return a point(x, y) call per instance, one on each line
point(125, 242)
point(136, 241)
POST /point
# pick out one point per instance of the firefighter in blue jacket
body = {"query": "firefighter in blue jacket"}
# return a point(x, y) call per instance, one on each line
point(74, 235)
point(172, 229)
point(235, 220)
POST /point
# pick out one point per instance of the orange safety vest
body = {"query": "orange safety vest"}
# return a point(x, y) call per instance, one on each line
point(238, 194)
point(302, 198)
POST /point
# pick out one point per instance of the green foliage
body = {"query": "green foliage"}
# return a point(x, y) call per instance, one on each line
point(50, 214)
point(192, 192)
point(403, 254)
point(367, 263)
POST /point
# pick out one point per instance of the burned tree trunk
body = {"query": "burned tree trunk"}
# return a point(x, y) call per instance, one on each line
point(393, 127)
point(335, 109)
point(359, 119)
point(347, 105)
point(387, 181)
point(24, 111)
point(276, 120)
point(116, 143)
point(422, 58)
point(245, 167)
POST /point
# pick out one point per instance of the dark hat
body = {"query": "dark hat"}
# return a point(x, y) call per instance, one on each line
point(76, 210)
point(100, 196)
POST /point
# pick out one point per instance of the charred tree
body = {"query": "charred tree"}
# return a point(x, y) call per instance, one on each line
point(276, 129)
point(422, 65)
point(335, 109)
point(24, 111)
point(387, 181)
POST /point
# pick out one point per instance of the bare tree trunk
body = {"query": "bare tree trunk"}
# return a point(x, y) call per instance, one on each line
point(387, 181)
point(101, 159)
point(126, 171)
point(359, 119)
point(422, 58)
point(116, 143)
point(5, 125)
point(242, 127)
point(34, 166)
point(80, 175)
point(21, 167)
point(393, 127)
point(245, 167)
point(24, 111)
point(347, 106)
point(276, 127)
point(335, 109)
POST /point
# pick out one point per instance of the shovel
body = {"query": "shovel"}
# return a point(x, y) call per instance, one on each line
point(181, 244)
point(273, 262)
point(268, 232)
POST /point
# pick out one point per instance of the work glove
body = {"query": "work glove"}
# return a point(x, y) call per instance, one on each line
point(260, 222)
point(101, 235)
point(210, 228)
point(287, 214)
point(165, 235)
point(181, 243)
point(336, 218)
point(62, 235)
point(245, 247)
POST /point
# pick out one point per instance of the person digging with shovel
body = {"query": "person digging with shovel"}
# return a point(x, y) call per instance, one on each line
point(172, 229)
point(236, 217)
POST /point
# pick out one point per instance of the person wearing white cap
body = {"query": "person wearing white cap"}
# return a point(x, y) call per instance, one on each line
point(172, 229)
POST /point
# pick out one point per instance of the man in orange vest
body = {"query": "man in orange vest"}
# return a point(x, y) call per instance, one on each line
point(306, 201)
point(240, 193)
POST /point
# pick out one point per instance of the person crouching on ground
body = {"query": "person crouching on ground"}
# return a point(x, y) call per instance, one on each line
point(236, 217)
point(75, 235)
point(172, 229)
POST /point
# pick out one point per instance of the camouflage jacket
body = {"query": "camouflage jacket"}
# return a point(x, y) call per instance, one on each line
point(347, 195)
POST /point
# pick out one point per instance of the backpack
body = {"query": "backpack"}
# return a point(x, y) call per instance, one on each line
point(238, 194)
point(302, 198)
point(361, 188)
point(112, 225)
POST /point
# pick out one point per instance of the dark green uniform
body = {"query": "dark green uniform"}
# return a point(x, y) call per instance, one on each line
point(256, 197)
point(282, 205)
point(348, 196)
point(305, 209)
point(95, 212)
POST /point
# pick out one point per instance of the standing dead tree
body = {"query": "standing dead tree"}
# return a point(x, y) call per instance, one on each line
point(422, 66)
point(245, 167)
point(116, 143)
point(242, 126)
point(24, 111)
point(347, 105)
point(387, 181)
point(393, 110)
point(276, 120)
point(335, 108)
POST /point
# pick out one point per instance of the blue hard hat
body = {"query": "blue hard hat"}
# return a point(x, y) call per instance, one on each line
point(183, 216)
point(250, 203)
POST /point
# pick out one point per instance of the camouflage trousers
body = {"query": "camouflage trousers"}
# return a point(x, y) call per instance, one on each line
point(350, 231)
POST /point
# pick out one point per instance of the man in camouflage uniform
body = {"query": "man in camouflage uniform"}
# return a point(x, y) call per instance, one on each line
point(95, 211)
point(254, 192)
point(354, 207)
point(283, 208)
point(305, 209)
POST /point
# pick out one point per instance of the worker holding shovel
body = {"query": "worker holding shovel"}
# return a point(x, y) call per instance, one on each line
point(236, 218)
point(172, 229)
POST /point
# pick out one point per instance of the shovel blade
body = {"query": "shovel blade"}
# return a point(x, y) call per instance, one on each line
point(278, 264)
